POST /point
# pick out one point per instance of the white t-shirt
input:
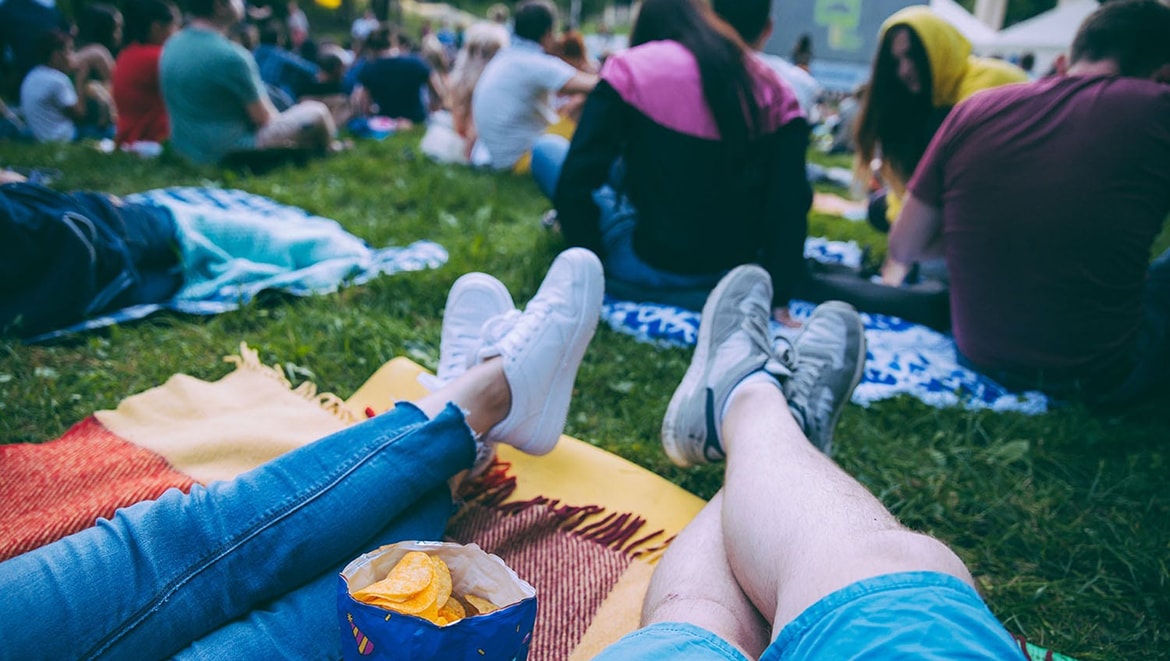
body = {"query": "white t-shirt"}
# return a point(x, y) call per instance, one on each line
point(512, 102)
point(803, 85)
point(45, 93)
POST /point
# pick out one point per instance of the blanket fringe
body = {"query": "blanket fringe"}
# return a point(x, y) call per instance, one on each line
point(249, 359)
point(618, 531)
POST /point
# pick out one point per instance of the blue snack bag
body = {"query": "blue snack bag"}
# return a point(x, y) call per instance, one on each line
point(370, 633)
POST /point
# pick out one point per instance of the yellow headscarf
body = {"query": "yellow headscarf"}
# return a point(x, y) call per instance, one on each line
point(955, 73)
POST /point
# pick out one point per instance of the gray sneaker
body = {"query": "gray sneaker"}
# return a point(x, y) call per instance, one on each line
point(733, 342)
point(828, 359)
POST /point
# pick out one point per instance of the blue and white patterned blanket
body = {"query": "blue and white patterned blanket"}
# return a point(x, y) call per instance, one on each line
point(903, 358)
point(236, 244)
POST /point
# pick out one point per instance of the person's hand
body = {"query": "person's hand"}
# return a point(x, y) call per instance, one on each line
point(784, 317)
point(10, 177)
point(894, 272)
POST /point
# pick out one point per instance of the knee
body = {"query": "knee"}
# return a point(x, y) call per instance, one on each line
point(907, 550)
point(550, 149)
point(745, 630)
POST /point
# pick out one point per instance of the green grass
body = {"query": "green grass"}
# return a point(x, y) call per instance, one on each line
point(1063, 518)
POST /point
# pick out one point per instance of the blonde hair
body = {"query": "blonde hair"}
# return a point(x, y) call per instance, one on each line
point(481, 42)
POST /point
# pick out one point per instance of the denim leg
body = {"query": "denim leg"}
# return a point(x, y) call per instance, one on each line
point(1152, 354)
point(160, 575)
point(630, 278)
point(548, 155)
point(303, 624)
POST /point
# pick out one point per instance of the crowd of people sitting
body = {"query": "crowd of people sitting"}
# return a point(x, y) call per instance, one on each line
point(139, 73)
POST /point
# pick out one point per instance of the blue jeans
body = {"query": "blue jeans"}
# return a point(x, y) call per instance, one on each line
point(627, 277)
point(240, 569)
point(548, 155)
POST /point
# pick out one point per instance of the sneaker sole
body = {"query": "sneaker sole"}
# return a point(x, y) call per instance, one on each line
point(858, 371)
point(695, 376)
point(556, 407)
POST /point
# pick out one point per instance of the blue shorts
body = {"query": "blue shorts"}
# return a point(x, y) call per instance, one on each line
point(921, 615)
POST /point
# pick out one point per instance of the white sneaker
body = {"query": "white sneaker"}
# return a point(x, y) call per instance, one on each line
point(473, 299)
point(542, 349)
point(734, 341)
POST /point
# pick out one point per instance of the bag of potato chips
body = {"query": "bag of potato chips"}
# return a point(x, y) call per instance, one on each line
point(434, 600)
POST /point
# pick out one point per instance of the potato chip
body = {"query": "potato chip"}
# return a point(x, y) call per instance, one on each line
point(443, 578)
point(413, 573)
point(451, 612)
point(421, 585)
point(420, 603)
point(482, 605)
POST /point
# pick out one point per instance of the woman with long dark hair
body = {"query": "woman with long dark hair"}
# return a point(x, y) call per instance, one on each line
point(689, 160)
point(922, 69)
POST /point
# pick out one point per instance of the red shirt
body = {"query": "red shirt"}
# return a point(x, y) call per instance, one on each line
point(1052, 194)
point(142, 115)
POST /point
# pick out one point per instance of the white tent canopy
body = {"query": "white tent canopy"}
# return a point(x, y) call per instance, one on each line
point(1048, 34)
point(979, 34)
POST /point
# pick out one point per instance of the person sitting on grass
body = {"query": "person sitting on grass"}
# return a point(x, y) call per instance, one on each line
point(1046, 200)
point(752, 20)
point(280, 67)
point(792, 556)
point(142, 113)
point(56, 99)
point(712, 163)
point(248, 568)
point(512, 102)
point(393, 83)
point(923, 67)
point(481, 42)
point(99, 39)
point(216, 99)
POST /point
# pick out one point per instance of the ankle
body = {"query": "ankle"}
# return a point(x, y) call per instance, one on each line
point(746, 402)
point(488, 398)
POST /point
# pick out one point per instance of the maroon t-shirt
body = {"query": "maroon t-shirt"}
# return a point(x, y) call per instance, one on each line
point(1052, 194)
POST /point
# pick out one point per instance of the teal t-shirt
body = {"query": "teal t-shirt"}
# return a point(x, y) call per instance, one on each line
point(207, 84)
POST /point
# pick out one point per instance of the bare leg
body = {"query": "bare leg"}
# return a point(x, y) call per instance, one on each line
point(693, 583)
point(482, 392)
point(797, 527)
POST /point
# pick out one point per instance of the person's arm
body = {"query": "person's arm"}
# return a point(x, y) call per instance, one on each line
point(596, 145)
point(261, 111)
point(10, 177)
point(917, 234)
point(785, 225)
point(580, 83)
point(360, 101)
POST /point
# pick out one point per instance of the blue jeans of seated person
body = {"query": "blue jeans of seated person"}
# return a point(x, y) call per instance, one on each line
point(627, 276)
point(240, 569)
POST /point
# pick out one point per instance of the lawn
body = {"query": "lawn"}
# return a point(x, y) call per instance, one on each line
point(1064, 518)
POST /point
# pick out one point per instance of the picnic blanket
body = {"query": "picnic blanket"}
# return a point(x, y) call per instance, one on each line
point(582, 525)
point(903, 357)
point(235, 244)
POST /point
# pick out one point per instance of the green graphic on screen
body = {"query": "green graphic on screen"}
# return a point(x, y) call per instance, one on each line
point(842, 20)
